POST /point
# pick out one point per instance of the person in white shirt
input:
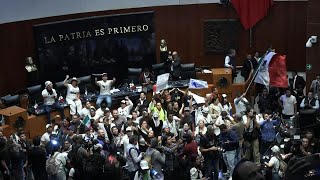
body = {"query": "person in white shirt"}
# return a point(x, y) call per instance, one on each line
point(230, 62)
point(102, 109)
point(288, 104)
point(208, 120)
point(224, 118)
point(86, 110)
point(61, 162)
point(93, 115)
point(73, 95)
point(241, 103)
point(49, 100)
point(45, 138)
point(226, 105)
point(274, 162)
point(171, 124)
point(215, 108)
point(105, 86)
point(201, 128)
point(125, 107)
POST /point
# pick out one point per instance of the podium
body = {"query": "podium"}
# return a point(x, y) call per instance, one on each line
point(218, 74)
point(12, 113)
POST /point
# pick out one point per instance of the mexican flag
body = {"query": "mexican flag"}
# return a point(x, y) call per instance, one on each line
point(273, 71)
point(86, 121)
point(251, 11)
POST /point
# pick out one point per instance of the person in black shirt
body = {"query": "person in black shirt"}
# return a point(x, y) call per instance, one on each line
point(4, 169)
point(209, 149)
point(264, 102)
point(37, 159)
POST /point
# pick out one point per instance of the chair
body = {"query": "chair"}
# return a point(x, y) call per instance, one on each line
point(158, 69)
point(188, 71)
point(34, 93)
point(61, 89)
point(11, 100)
point(85, 84)
point(134, 74)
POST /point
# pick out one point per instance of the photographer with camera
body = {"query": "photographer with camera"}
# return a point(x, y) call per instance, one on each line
point(251, 136)
point(209, 150)
point(230, 144)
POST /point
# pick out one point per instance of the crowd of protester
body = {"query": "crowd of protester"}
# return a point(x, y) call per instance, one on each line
point(170, 137)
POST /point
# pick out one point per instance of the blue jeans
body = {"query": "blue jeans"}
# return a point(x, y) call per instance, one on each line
point(228, 158)
point(107, 98)
point(56, 106)
point(238, 156)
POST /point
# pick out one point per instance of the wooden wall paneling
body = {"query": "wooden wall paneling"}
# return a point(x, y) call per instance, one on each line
point(182, 27)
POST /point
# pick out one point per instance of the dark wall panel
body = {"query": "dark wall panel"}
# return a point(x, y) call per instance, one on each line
point(182, 27)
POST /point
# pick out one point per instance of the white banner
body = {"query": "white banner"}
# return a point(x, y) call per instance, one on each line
point(162, 81)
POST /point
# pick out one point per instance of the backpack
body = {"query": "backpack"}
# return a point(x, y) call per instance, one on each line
point(282, 167)
point(52, 166)
point(148, 158)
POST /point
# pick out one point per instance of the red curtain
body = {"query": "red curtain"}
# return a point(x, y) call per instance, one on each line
point(278, 71)
point(251, 11)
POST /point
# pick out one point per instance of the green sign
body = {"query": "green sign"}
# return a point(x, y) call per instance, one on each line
point(309, 67)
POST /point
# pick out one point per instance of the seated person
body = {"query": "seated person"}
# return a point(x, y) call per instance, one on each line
point(49, 100)
point(310, 102)
point(73, 95)
point(105, 86)
point(146, 79)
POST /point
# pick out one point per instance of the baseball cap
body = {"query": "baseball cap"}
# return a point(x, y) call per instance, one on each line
point(186, 109)
point(48, 125)
point(224, 95)
point(275, 149)
point(144, 165)
point(47, 83)
point(123, 101)
point(104, 74)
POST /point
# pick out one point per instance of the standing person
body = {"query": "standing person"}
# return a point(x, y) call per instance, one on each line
point(142, 102)
point(239, 129)
point(264, 102)
point(157, 159)
point(209, 150)
point(297, 81)
point(60, 161)
point(175, 66)
point(105, 86)
point(226, 105)
point(315, 86)
point(251, 136)
point(230, 62)
point(49, 100)
point(73, 95)
point(310, 102)
point(268, 132)
point(134, 156)
point(144, 171)
point(249, 65)
point(125, 107)
point(288, 104)
point(274, 163)
point(241, 103)
point(170, 151)
point(37, 159)
point(230, 142)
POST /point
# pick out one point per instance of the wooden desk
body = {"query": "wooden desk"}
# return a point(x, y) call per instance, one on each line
point(205, 76)
point(12, 113)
